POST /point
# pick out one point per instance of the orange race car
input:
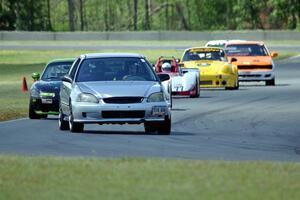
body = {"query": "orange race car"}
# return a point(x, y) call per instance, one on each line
point(253, 59)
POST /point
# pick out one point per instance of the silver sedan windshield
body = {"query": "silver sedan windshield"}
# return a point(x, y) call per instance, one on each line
point(115, 69)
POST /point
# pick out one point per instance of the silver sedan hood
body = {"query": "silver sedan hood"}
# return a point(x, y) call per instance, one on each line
point(106, 89)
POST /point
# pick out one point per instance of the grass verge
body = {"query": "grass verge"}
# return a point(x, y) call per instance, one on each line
point(78, 178)
point(16, 64)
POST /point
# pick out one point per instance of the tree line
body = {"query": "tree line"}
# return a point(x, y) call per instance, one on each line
point(144, 15)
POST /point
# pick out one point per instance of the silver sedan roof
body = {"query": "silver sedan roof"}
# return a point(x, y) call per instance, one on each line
point(112, 55)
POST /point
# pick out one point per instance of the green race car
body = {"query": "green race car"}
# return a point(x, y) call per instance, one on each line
point(44, 93)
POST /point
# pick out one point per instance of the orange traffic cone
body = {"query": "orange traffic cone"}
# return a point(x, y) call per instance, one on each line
point(24, 87)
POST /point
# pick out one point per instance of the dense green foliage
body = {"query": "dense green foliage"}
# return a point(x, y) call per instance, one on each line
point(130, 15)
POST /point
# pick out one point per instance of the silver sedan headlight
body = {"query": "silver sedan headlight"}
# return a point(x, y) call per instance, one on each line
point(87, 97)
point(156, 97)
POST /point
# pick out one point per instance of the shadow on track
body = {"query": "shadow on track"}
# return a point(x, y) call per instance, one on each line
point(102, 132)
point(49, 118)
point(218, 90)
point(179, 109)
point(258, 85)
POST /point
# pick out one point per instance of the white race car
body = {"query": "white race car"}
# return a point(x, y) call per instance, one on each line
point(184, 81)
point(220, 43)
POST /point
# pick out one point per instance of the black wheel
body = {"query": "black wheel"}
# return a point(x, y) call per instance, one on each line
point(236, 87)
point(170, 92)
point(164, 128)
point(75, 127)
point(197, 94)
point(62, 124)
point(270, 82)
point(150, 127)
point(171, 100)
point(31, 112)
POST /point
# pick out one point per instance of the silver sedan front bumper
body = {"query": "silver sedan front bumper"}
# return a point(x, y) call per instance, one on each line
point(119, 113)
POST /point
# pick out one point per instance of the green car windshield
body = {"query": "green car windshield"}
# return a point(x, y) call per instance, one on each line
point(55, 71)
point(204, 54)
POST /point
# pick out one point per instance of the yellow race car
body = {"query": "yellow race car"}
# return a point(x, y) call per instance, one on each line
point(215, 70)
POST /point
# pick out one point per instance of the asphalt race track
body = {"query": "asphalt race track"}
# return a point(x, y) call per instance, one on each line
point(253, 123)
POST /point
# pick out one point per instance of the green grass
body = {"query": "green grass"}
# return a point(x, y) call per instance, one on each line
point(110, 42)
point(78, 178)
point(16, 64)
point(285, 55)
point(34, 57)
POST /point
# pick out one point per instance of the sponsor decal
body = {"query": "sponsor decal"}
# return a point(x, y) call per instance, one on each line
point(205, 50)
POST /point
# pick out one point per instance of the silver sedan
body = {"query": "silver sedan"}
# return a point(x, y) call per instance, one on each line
point(114, 88)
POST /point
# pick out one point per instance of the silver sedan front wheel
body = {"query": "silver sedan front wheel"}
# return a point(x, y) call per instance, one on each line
point(62, 124)
point(75, 127)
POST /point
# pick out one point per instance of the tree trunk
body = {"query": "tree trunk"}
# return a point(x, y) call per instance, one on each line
point(147, 18)
point(181, 14)
point(111, 16)
point(129, 25)
point(135, 16)
point(167, 15)
point(81, 6)
point(106, 23)
point(49, 25)
point(294, 14)
point(71, 10)
point(172, 24)
point(31, 16)
point(228, 14)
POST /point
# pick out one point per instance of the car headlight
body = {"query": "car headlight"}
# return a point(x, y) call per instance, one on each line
point(87, 97)
point(156, 97)
point(226, 69)
point(35, 93)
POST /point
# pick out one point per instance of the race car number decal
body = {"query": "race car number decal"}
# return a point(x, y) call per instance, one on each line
point(179, 87)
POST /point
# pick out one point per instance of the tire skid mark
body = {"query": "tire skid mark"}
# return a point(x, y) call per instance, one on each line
point(211, 112)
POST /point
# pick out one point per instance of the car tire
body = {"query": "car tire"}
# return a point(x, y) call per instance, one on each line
point(75, 127)
point(236, 87)
point(170, 93)
point(197, 91)
point(62, 124)
point(31, 112)
point(171, 100)
point(150, 127)
point(164, 128)
point(270, 82)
